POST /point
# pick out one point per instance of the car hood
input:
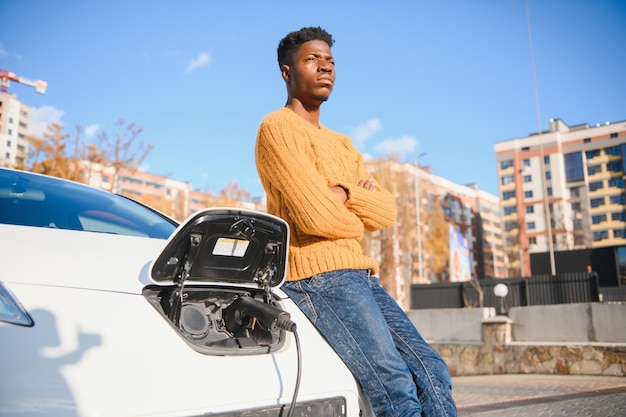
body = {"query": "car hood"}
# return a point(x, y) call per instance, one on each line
point(78, 259)
point(227, 246)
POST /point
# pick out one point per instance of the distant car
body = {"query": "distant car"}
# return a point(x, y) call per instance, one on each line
point(109, 308)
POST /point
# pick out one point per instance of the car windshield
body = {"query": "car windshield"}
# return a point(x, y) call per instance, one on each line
point(29, 199)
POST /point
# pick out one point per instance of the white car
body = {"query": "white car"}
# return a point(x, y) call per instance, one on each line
point(108, 308)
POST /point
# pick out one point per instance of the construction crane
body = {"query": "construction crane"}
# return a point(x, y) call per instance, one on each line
point(7, 76)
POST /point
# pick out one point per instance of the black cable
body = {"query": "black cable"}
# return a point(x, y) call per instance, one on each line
point(292, 407)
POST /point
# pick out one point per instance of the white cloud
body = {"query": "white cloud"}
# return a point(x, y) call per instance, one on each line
point(396, 147)
point(203, 60)
point(365, 130)
point(41, 117)
point(91, 130)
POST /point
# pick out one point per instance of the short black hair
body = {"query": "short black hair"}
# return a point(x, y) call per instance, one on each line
point(288, 45)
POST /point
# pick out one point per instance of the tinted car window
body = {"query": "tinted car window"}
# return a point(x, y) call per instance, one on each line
point(29, 199)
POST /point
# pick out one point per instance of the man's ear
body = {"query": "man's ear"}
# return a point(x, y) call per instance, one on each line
point(285, 72)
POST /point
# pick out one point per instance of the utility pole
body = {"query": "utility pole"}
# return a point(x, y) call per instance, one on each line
point(418, 217)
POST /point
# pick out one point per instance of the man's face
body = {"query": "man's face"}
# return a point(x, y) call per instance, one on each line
point(311, 76)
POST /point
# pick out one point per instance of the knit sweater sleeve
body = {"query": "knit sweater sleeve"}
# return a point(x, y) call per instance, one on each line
point(376, 209)
point(287, 169)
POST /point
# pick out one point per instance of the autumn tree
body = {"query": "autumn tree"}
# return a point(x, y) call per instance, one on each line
point(50, 155)
point(53, 155)
point(382, 241)
point(232, 195)
point(437, 240)
point(394, 247)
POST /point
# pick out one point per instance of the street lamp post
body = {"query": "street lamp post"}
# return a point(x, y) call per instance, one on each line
point(501, 291)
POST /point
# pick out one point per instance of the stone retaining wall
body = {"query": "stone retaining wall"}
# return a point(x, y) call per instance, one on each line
point(499, 355)
point(571, 339)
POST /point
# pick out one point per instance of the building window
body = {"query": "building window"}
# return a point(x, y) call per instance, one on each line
point(507, 179)
point(549, 191)
point(508, 195)
point(603, 234)
point(548, 175)
point(506, 164)
point(530, 209)
point(613, 135)
point(528, 178)
point(546, 159)
point(574, 170)
point(617, 199)
point(528, 194)
point(530, 225)
point(526, 148)
point(599, 218)
point(593, 186)
point(508, 226)
point(594, 169)
point(532, 240)
point(616, 182)
point(526, 163)
point(586, 140)
point(613, 150)
point(620, 216)
point(576, 206)
point(592, 154)
point(619, 233)
point(615, 166)
point(510, 210)
point(596, 202)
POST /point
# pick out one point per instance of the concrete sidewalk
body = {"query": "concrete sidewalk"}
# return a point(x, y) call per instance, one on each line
point(513, 395)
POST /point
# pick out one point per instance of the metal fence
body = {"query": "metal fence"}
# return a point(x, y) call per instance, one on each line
point(536, 290)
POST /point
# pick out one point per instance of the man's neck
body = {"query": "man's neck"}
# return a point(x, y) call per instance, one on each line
point(309, 113)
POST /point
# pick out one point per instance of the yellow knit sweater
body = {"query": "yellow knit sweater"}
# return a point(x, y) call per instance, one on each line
point(297, 163)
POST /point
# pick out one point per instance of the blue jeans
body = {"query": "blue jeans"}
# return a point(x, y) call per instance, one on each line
point(399, 372)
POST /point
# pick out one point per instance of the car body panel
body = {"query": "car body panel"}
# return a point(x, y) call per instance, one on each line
point(60, 257)
point(100, 347)
point(109, 354)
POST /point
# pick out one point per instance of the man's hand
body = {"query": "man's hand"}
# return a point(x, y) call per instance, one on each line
point(343, 194)
point(367, 184)
point(340, 192)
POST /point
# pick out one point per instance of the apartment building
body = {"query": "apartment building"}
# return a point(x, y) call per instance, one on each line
point(472, 212)
point(172, 197)
point(571, 175)
point(432, 208)
point(14, 120)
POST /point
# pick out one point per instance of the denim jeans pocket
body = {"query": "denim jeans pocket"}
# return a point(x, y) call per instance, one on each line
point(298, 292)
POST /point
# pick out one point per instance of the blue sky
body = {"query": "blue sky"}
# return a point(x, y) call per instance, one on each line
point(445, 80)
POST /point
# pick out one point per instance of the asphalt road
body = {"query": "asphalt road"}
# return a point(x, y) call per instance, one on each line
point(539, 395)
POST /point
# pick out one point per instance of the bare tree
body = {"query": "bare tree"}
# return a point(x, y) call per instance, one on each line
point(233, 194)
point(52, 155)
point(124, 150)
